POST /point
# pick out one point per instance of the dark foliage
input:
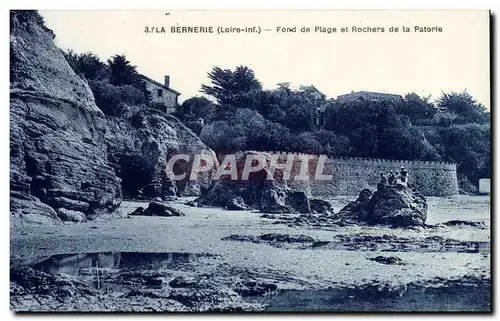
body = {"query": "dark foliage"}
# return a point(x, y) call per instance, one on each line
point(456, 128)
point(87, 65)
point(122, 72)
point(116, 85)
point(229, 88)
point(195, 108)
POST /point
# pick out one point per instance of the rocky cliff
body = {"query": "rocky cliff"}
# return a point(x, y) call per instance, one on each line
point(139, 148)
point(65, 154)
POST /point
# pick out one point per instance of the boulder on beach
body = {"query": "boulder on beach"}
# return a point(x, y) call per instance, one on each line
point(263, 190)
point(157, 209)
point(299, 201)
point(236, 204)
point(360, 209)
point(397, 205)
point(225, 192)
point(388, 260)
point(274, 199)
point(70, 215)
point(320, 206)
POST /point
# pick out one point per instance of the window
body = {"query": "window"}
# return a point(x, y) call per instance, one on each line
point(160, 93)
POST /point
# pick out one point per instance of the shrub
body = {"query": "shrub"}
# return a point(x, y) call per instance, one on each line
point(113, 100)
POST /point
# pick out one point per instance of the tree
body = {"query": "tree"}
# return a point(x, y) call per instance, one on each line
point(115, 100)
point(196, 107)
point(469, 146)
point(122, 71)
point(87, 64)
point(245, 130)
point(299, 118)
point(333, 144)
point(223, 137)
point(418, 108)
point(228, 87)
point(306, 142)
point(284, 86)
point(465, 106)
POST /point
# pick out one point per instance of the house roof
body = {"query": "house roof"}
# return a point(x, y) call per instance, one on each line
point(364, 92)
point(159, 84)
point(315, 89)
point(310, 88)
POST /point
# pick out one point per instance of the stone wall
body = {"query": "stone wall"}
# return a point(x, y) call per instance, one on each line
point(351, 175)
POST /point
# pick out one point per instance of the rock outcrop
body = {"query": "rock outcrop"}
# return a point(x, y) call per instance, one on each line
point(157, 209)
point(270, 238)
point(68, 160)
point(258, 192)
point(360, 209)
point(139, 148)
point(226, 192)
point(396, 205)
point(58, 154)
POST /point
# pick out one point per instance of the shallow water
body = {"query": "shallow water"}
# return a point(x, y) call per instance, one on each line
point(462, 295)
point(471, 298)
point(95, 264)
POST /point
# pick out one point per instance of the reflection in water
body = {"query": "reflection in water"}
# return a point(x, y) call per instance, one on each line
point(80, 263)
point(112, 272)
point(460, 297)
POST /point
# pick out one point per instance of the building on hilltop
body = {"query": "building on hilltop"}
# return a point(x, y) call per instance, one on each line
point(162, 96)
point(313, 92)
point(368, 96)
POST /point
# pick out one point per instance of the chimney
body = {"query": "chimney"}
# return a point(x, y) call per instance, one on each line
point(167, 81)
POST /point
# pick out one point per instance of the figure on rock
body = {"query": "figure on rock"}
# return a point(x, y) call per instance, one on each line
point(391, 180)
point(403, 176)
point(382, 183)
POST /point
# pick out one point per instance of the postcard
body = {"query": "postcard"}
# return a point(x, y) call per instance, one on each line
point(250, 161)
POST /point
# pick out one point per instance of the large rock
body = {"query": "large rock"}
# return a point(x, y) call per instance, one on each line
point(258, 192)
point(66, 154)
point(236, 204)
point(360, 209)
point(274, 199)
point(391, 205)
point(157, 209)
point(69, 215)
point(58, 154)
point(29, 209)
point(139, 148)
point(224, 191)
point(299, 201)
point(400, 206)
point(319, 206)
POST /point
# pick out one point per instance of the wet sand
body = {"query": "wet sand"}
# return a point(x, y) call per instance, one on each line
point(292, 268)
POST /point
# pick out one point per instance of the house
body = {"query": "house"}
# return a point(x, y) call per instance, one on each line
point(313, 92)
point(369, 96)
point(162, 96)
point(310, 90)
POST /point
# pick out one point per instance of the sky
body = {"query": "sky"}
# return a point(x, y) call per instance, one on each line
point(427, 63)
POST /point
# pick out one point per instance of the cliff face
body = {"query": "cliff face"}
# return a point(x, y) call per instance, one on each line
point(58, 153)
point(63, 156)
point(139, 148)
